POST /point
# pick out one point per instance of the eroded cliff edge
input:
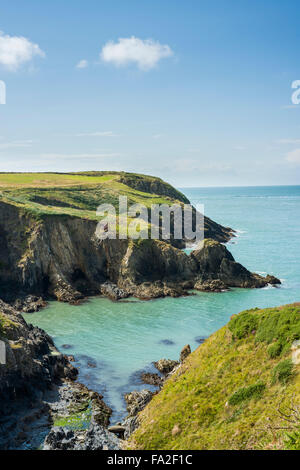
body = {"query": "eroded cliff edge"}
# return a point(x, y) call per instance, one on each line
point(49, 248)
point(60, 256)
point(39, 395)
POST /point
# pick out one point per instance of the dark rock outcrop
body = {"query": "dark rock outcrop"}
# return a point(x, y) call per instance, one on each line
point(185, 352)
point(31, 366)
point(136, 401)
point(218, 270)
point(165, 366)
point(95, 438)
point(113, 292)
point(151, 379)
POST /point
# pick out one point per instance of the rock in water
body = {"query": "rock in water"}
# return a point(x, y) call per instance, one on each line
point(113, 291)
point(136, 401)
point(186, 351)
point(165, 366)
point(272, 280)
point(151, 379)
point(216, 263)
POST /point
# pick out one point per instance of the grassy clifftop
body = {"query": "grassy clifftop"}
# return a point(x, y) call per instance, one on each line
point(79, 194)
point(239, 390)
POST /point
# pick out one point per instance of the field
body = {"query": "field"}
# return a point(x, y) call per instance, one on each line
point(79, 194)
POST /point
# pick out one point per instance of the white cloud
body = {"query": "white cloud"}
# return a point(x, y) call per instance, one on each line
point(144, 53)
point(15, 51)
point(97, 134)
point(293, 156)
point(82, 64)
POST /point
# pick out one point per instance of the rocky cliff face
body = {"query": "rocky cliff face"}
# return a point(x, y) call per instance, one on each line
point(30, 365)
point(61, 257)
point(38, 394)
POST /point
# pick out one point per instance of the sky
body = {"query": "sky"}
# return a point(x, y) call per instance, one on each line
point(197, 92)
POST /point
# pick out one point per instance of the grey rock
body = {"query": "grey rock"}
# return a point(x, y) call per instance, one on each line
point(165, 366)
point(137, 400)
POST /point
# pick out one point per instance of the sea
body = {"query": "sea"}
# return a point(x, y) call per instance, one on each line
point(114, 342)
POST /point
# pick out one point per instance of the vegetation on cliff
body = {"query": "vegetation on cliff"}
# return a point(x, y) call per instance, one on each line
point(238, 390)
point(79, 194)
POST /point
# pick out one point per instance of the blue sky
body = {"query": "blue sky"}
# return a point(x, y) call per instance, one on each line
point(196, 92)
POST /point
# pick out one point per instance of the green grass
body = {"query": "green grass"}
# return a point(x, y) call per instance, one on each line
point(50, 179)
point(246, 393)
point(75, 421)
point(283, 372)
point(5, 325)
point(225, 396)
point(78, 194)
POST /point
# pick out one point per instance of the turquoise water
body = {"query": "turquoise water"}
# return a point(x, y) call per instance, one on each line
point(113, 342)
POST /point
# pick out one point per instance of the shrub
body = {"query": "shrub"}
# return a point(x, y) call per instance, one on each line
point(274, 350)
point(293, 441)
point(242, 325)
point(283, 372)
point(246, 393)
point(280, 325)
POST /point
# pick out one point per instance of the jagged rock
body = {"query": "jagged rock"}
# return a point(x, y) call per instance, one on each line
point(130, 424)
point(33, 366)
point(185, 352)
point(151, 379)
point(29, 304)
point(272, 280)
point(215, 262)
point(211, 286)
point(165, 366)
point(98, 438)
point(137, 400)
point(60, 439)
point(113, 291)
point(95, 438)
point(64, 292)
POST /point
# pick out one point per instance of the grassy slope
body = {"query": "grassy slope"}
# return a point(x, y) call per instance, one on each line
point(228, 393)
point(76, 194)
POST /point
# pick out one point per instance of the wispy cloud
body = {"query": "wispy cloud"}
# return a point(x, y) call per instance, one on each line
point(293, 156)
point(16, 51)
point(144, 53)
point(97, 134)
point(157, 136)
point(16, 144)
point(78, 156)
point(82, 64)
point(288, 141)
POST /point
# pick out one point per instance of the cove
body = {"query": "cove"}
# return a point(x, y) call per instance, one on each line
point(114, 341)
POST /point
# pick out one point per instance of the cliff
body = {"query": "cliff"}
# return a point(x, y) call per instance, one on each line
point(239, 390)
point(39, 397)
point(48, 245)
